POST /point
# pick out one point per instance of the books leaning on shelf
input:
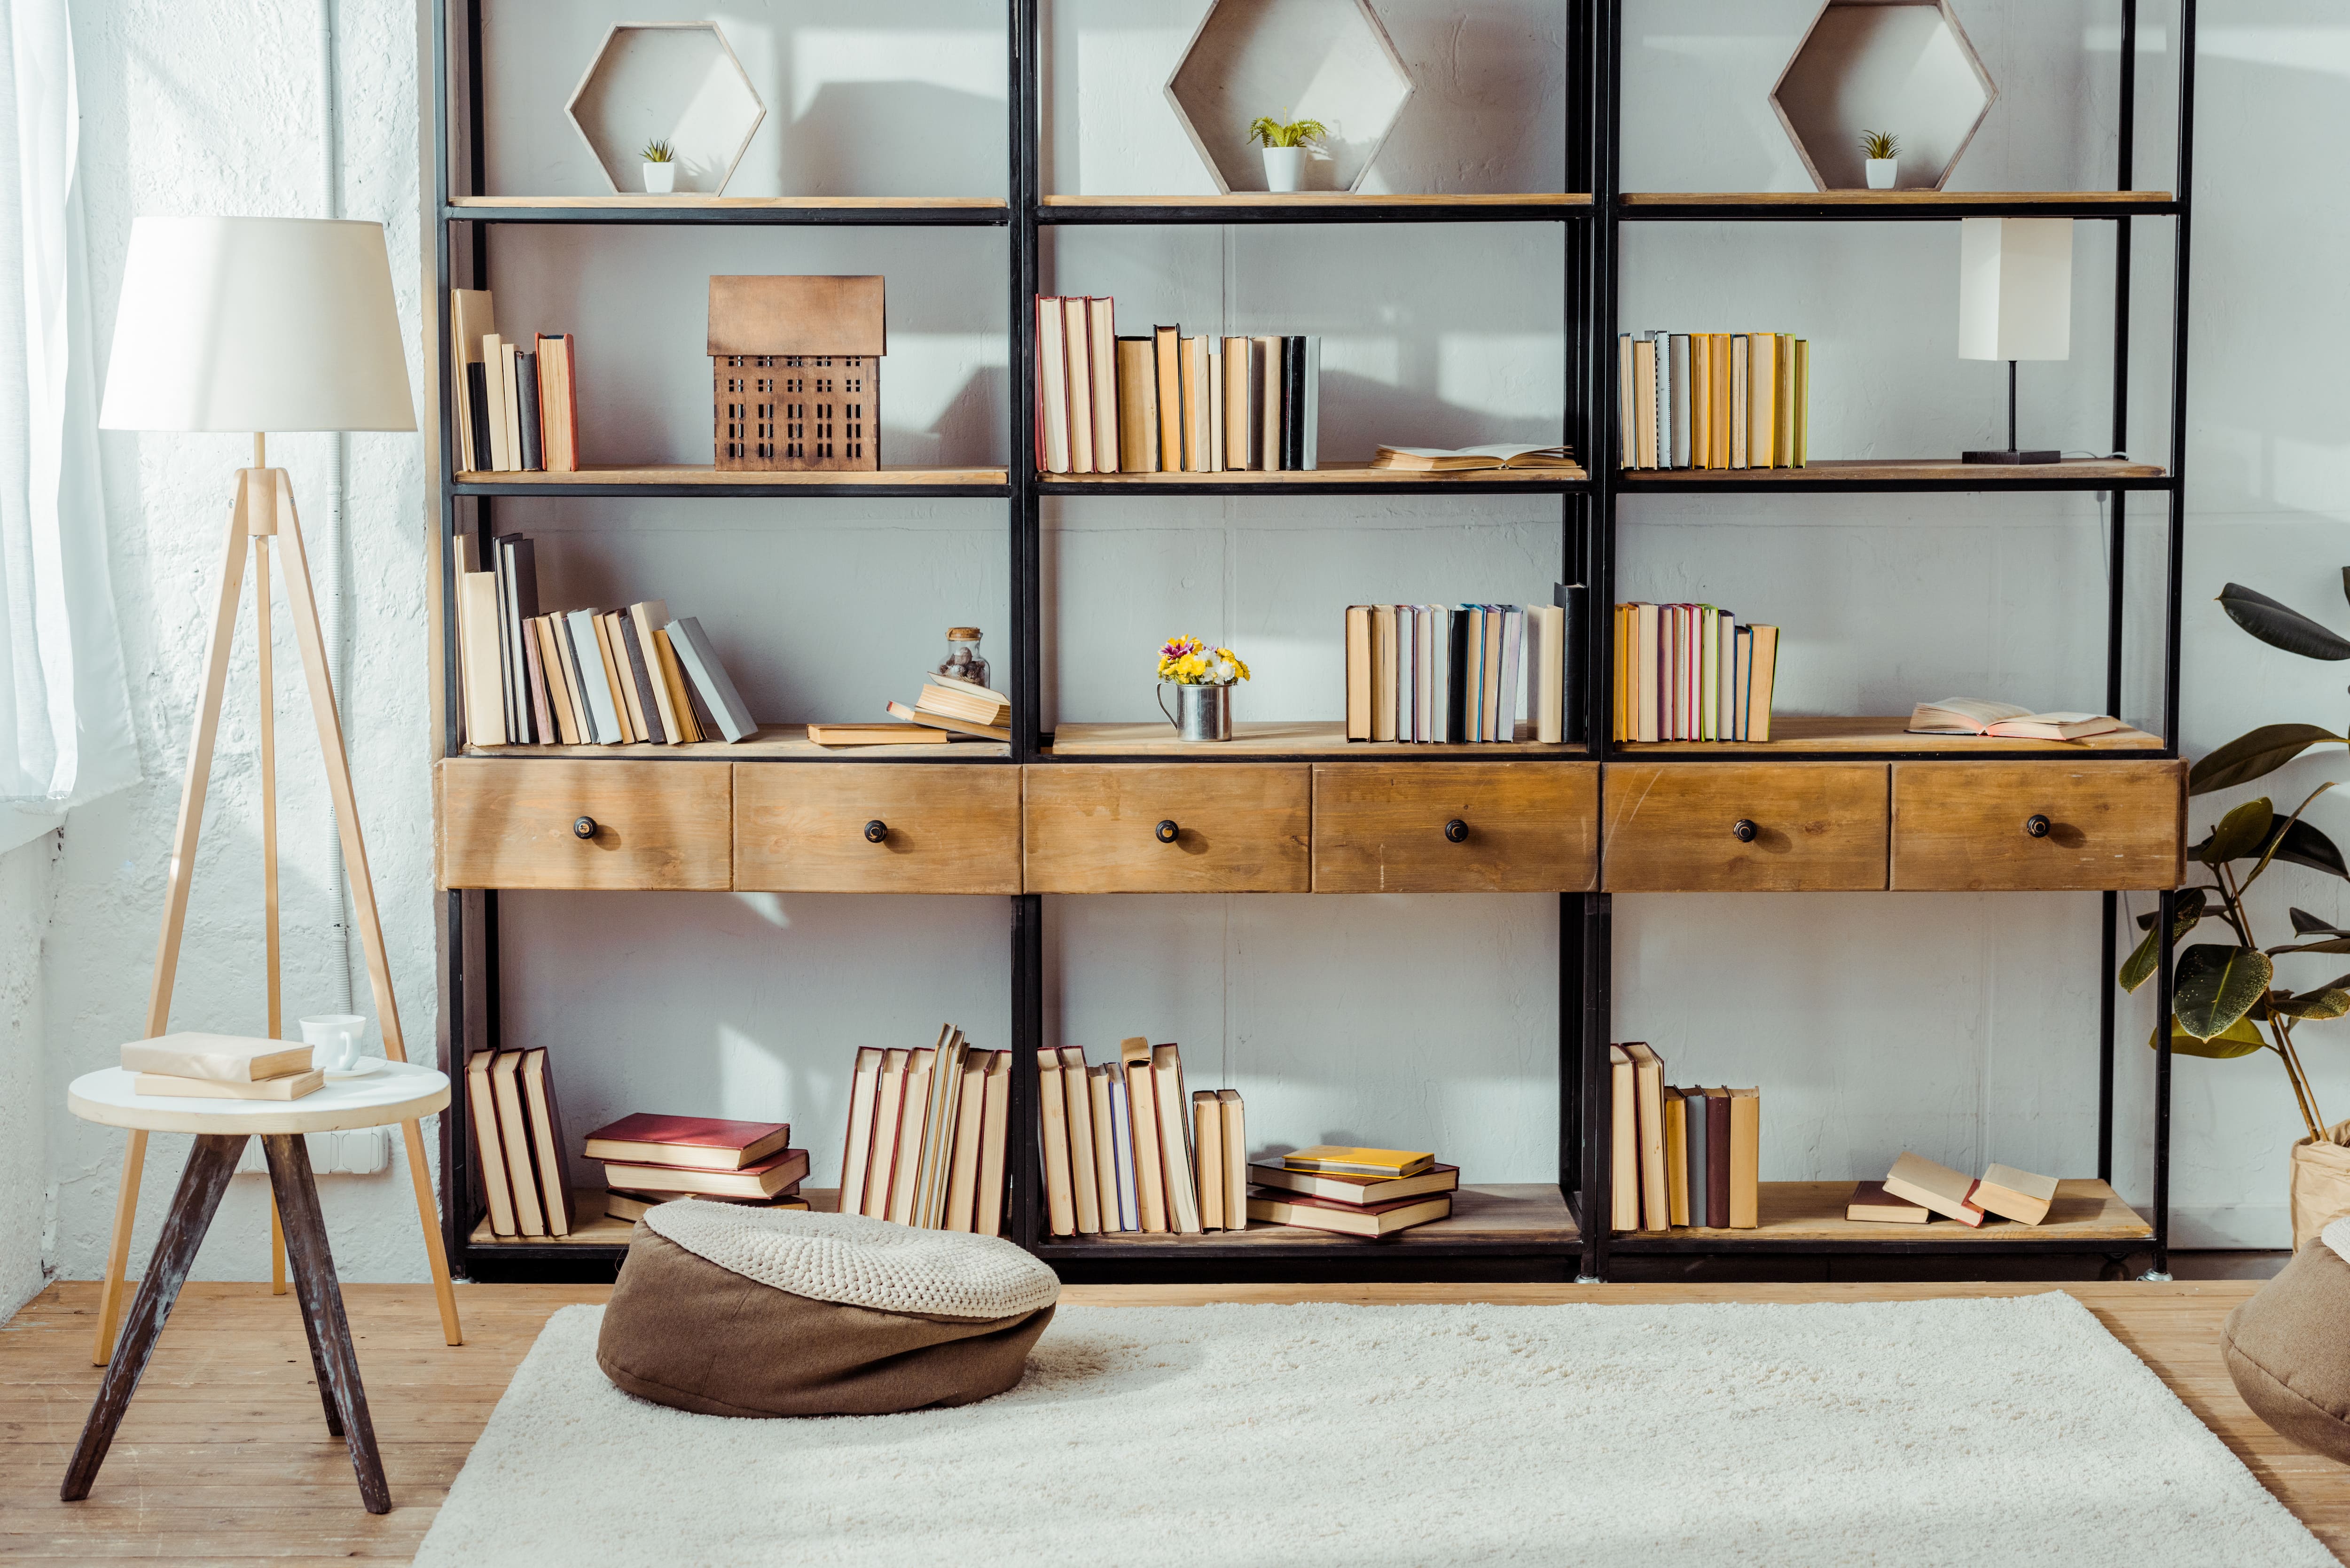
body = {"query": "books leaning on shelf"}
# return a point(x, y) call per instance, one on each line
point(2004, 721)
point(1168, 403)
point(1936, 1192)
point(1366, 1192)
point(1693, 672)
point(1677, 1155)
point(1713, 399)
point(220, 1067)
point(1465, 458)
point(927, 1133)
point(1465, 674)
point(1127, 1147)
point(519, 406)
point(583, 677)
point(518, 1143)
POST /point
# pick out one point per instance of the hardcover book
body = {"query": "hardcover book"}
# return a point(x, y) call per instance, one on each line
point(703, 1143)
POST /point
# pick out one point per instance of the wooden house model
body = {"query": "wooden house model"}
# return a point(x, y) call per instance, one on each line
point(796, 372)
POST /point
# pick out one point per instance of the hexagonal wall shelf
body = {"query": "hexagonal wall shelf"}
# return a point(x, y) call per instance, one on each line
point(1290, 59)
point(1902, 65)
point(672, 81)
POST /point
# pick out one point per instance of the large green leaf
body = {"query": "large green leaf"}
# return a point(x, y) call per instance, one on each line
point(2243, 831)
point(2255, 754)
point(2329, 945)
point(2304, 924)
point(2217, 985)
point(2279, 626)
point(2306, 845)
point(2327, 1001)
point(2138, 967)
point(2190, 910)
point(2240, 1038)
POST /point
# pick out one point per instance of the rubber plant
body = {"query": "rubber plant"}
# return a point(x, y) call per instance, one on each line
point(2226, 1001)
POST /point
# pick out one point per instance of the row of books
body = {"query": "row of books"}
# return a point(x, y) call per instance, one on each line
point(1461, 674)
point(1366, 1192)
point(1693, 672)
point(926, 1136)
point(520, 398)
point(518, 1144)
point(1680, 1157)
point(1917, 1189)
point(582, 676)
point(220, 1067)
point(1168, 403)
point(651, 1160)
point(1714, 399)
point(1127, 1147)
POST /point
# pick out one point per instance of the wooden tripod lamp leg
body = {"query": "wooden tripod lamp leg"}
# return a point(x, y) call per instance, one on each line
point(305, 610)
point(266, 679)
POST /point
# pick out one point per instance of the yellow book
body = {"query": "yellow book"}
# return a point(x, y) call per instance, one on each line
point(1718, 384)
point(1700, 400)
point(1802, 404)
point(1782, 425)
point(1335, 1159)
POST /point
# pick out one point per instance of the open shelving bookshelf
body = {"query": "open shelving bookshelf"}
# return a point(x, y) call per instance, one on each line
point(1497, 1232)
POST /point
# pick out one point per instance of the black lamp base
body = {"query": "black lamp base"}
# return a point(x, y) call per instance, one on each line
point(2012, 457)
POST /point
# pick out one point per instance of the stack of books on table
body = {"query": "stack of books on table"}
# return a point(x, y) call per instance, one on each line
point(1917, 1189)
point(927, 1134)
point(1693, 672)
point(1680, 1157)
point(653, 1160)
point(220, 1067)
point(948, 709)
point(1463, 674)
point(1368, 1192)
point(518, 1143)
point(1714, 399)
point(1128, 1147)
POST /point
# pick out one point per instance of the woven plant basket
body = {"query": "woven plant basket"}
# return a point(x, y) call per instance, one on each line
point(2320, 1184)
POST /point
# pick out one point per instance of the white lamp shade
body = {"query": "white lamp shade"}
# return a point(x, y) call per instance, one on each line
point(2015, 288)
point(256, 324)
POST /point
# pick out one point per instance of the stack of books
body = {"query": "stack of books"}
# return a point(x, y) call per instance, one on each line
point(1168, 403)
point(1680, 1157)
point(653, 1159)
point(1128, 1147)
point(520, 404)
point(1714, 399)
point(584, 677)
point(948, 709)
point(1467, 459)
point(1693, 672)
point(518, 1144)
point(926, 1136)
point(220, 1067)
point(1368, 1192)
point(1917, 1189)
point(1461, 674)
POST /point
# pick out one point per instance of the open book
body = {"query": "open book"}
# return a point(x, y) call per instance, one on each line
point(1500, 454)
point(2004, 721)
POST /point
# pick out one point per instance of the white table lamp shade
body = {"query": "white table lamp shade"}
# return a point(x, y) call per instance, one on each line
point(2015, 288)
point(256, 324)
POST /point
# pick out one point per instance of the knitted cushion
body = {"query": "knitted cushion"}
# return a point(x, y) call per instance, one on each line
point(2288, 1348)
point(732, 1311)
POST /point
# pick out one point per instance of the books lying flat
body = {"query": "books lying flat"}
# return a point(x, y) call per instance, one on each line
point(1455, 460)
point(876, 735)
point(1347, 1219)
point(2004, 721)
point(962, 700)
point(1360, 1191)
point(2013, 1194)
point(1333, 1159)
point(946, 721)
point(1935, 1187)
point(632, 1205)
point(763, 1180)
point(1871, 1203)
point(285, 1086)
point(222, 1058)
point(703, 1143)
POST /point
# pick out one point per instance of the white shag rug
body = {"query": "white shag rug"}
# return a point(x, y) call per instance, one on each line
point(1963, 1432)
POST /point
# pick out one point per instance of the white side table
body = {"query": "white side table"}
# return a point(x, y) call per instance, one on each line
point(396, 1092)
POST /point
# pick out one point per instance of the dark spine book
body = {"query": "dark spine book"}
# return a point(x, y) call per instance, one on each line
point(509, 676)
point(1292, 403)
point(518, 606)
point(477, 408)
point(534, 448)
point(1717, 1161)
point(641, 671)
point(1456, 677)
point(1575, 599)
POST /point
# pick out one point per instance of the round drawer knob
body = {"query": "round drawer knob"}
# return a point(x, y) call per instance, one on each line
point(1166, 831)
point(583, 827)
point(1743, 831)
point(877, 831)
point(2036, 824)
point(1456, 831)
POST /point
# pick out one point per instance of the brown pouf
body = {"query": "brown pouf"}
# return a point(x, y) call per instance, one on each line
point(732, 1311)
point(2288, 1348)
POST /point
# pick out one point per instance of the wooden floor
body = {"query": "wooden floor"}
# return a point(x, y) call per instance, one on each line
point(223, 1456)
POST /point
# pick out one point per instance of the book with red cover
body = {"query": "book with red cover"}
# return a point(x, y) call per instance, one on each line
point(1717, 1159)
point(764, 1180)
point(1356, 1191)
point(700, 1143)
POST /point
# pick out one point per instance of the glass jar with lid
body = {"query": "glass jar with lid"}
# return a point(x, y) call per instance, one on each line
point(963, 662)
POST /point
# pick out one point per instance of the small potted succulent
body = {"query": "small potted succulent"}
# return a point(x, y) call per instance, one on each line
point(661, 168)
point(1287, 143)
point(1882, 150)
point(1203, 677)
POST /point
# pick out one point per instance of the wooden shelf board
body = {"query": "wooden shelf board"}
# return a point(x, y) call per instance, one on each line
point(1894, 469)
point(1530, 1214)
point(696, 200)
point(787, 742)
point(1339, 199)
point(2085, 1211)
point(1792, 733)
point(1313, 738)
point(592, 1226)
point(1328, 473)
point(703, 473)
point(1894, 198)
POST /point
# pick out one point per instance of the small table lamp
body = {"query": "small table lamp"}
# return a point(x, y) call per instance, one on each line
point(262, 324)
point(2015, 302)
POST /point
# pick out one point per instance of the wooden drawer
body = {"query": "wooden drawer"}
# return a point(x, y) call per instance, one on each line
point(514, 824)
point(801, 828)
point(1672, 827)
point(2109, 824)
point(1525, 827)
point(1240, 827)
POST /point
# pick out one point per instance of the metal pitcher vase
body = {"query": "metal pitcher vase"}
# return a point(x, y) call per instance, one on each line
point(1201, 712)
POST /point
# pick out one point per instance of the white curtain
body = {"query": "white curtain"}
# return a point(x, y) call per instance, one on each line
point(65, 711)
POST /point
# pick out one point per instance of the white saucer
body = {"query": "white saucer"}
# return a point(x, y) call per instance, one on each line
point(368, 1065)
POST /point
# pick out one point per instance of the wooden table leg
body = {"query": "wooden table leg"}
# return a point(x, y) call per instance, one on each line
point(317, 1360)
point(118, 1248)
point(322, 1304)
point(210, 1166)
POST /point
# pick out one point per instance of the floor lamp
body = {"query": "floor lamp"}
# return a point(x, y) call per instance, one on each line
point(262, 324)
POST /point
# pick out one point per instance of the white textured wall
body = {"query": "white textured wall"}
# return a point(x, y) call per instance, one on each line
point(26, 879)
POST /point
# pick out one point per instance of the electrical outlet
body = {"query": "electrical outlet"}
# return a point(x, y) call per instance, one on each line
point(361, 1152)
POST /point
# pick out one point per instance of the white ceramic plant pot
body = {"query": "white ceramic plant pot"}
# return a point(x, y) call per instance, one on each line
point(1283, 168)
point(660, 179)
point(1881, 171)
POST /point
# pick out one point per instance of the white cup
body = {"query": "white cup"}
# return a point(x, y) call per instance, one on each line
point(334, 1039)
